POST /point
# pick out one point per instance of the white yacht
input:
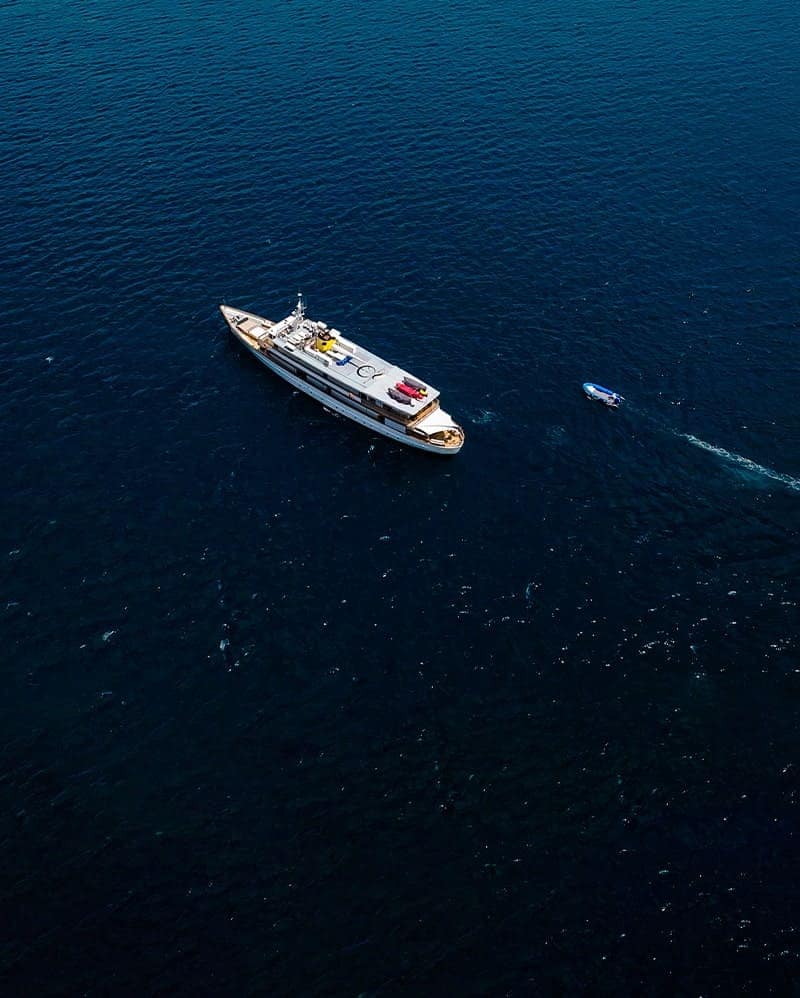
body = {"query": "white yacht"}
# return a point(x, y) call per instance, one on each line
point(347, 378)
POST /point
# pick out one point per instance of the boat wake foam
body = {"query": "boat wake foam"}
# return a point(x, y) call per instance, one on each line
point(744, 462)
point(483, 417)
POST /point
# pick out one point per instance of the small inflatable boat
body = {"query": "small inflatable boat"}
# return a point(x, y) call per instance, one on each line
point(398, 396)
point(604, 395)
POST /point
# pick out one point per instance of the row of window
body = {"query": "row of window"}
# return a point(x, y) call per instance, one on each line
point(351, 398)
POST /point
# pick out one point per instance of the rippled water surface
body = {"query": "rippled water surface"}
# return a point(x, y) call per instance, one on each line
point(289, 709)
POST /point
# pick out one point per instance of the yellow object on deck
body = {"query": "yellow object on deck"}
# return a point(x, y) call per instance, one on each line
point(325, 344)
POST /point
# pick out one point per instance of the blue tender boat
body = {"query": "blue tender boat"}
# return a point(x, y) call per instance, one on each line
point(604, 395)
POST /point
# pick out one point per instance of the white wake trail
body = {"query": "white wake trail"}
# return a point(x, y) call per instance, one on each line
point(745, 462)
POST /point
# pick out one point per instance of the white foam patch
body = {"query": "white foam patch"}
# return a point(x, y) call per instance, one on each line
point(745, 462)
point(484, 416)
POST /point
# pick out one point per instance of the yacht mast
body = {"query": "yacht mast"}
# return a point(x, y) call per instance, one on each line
point(300, 310)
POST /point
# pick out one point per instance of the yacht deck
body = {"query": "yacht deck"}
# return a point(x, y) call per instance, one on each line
point(348, 365)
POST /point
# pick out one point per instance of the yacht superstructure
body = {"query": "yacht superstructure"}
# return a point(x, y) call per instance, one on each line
point(348, 379)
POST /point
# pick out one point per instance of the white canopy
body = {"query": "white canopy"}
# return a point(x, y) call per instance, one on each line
point(437, 421)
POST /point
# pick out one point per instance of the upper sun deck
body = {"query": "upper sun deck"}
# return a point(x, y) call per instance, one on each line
point(340, 360)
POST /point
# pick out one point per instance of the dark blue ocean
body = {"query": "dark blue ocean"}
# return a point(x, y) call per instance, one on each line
point(291, 710)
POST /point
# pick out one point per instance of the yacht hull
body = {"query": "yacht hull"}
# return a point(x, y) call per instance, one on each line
point(335, 405)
